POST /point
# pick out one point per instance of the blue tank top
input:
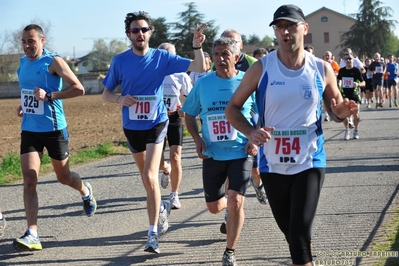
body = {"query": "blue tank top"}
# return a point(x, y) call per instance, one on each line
point(40, 116)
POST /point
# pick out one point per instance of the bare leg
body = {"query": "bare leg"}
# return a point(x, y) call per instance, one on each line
point(30, 165)
point(175, 161)
point(66, 177)
point(148, 163)
point(235, 219)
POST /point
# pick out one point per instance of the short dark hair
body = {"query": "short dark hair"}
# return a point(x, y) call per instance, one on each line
point(35, 27)
point(307, 47)
point(259, 51)
point(141, 15)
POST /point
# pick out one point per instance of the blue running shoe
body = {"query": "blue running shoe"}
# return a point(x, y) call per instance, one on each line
point(27, 242)
point(90, 204)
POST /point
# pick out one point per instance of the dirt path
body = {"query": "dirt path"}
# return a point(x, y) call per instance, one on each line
point(90, 120)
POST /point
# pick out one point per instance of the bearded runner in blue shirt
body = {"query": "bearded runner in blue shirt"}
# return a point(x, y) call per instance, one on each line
point(140, 72)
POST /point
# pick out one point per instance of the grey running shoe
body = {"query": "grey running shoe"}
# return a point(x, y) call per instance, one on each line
point(163, 224)
point(165, 178)
point(174, 201)
point(223, 228)
point(259, 191)
point(152, 244)
point(327, 118)
point(90, 204)
point(27, 242)
point(355, 134)
point(2, 225)
point(229, 259)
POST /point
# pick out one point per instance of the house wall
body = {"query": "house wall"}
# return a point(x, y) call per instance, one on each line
point(336, 25)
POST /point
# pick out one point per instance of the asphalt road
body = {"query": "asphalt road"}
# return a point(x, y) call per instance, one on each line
point(359, 196)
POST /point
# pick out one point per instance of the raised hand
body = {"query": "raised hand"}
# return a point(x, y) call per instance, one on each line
point(199, 36)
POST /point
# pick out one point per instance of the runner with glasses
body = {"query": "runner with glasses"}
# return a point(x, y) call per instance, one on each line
point(140, 72)
point(289, 85)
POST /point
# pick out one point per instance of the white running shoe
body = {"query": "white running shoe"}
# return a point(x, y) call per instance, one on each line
point(163, 224)
point(347, 134)
point(165, 178)
point(174, 201)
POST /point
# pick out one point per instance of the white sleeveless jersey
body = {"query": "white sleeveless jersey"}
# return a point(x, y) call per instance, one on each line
point(291, 102)
point(173, 86)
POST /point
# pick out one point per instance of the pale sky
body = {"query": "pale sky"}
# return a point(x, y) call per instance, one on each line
point(76, 24)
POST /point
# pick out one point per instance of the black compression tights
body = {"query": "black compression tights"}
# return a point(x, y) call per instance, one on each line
point(293, 200)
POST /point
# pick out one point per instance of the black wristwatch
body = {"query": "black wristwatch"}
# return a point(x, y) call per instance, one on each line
point(48, 95)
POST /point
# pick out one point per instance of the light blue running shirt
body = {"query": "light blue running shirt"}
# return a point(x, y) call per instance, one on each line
point(209, 98)
point(40, 116)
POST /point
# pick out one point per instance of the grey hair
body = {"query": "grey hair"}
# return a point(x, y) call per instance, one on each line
point(229, 32)
point(168, 46)
point(234, 46)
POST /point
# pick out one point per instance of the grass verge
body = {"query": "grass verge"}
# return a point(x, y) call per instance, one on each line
point(10, 167)
point(391, 243)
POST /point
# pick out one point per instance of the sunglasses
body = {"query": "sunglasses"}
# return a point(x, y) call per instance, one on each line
point(137, 30)
point(348, 58)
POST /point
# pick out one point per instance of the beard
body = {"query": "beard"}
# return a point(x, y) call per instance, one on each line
point(139, 47)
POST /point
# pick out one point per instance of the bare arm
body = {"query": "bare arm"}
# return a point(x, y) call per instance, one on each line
point(233, 113)
point(109, 96)
point(59, 66)
point(198, 64)
point(192, 127)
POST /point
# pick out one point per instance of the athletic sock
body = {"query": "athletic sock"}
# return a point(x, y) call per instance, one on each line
point(32, 232)
point(153, 230)
point(229, 250)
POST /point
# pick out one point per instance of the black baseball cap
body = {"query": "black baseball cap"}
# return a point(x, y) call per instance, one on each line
point(288, 12)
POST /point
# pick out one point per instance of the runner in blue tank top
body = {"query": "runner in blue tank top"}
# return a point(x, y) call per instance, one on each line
point(290, 84)
point(40, 76)
point(140, 72)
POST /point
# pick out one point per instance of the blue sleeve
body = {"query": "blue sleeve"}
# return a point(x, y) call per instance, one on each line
point(192, 104)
